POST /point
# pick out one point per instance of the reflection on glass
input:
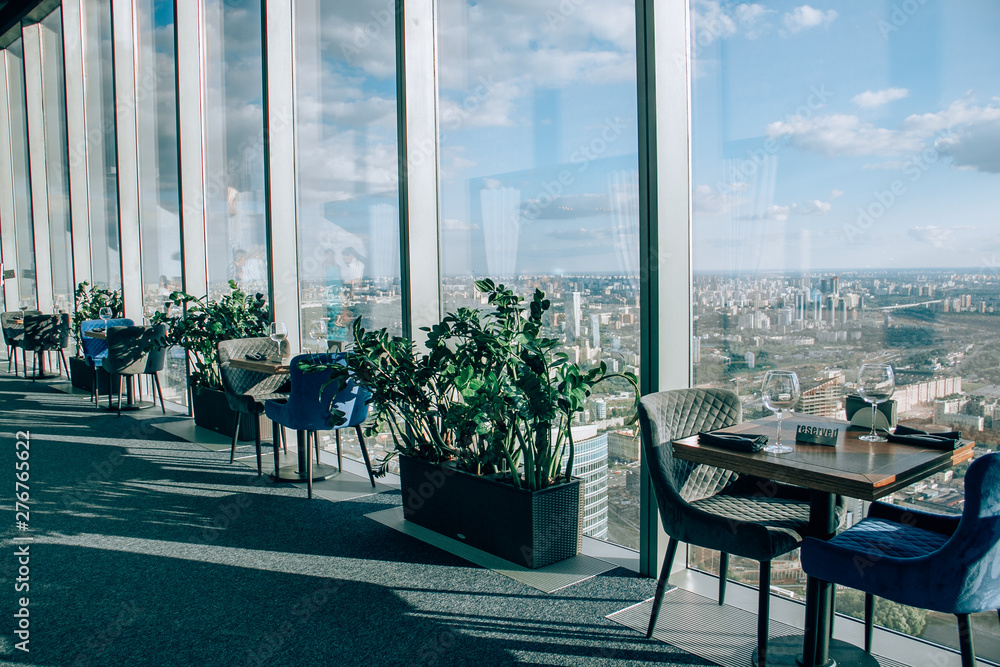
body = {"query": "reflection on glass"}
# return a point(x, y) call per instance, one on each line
point(844, 195)
point(56, 157)
point(99, 149)
point(159, 195)
point(539, 188)
point(346, 166)
point(234, 136)
point(23, 234)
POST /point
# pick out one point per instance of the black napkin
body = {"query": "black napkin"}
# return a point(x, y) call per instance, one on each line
point(256, 356)
point(905, 435)
point(738, 443)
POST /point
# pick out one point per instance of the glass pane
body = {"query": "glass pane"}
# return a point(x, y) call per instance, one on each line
point(845, 185)
point(347, 197)
point(539, 188)
point(57, 160)
point(234, 137)
point(23, 234)
point(159, 195)
point(100, 151)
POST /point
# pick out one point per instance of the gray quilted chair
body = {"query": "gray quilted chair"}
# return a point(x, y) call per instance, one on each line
point(46, 333)
point(128, 352)
point(13, 335)
point(247, 390)
point(714, 508)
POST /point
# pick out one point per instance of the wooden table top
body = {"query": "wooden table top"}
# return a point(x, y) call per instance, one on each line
point(267, 366)
point(854, 468)
point(99, 334)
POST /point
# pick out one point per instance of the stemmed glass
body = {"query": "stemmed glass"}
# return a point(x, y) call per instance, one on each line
point(876, 383)
point(105, 314)
point(148, 312)
point(780, 393)
point(23, 305)
point(278, 332)
point(318, 331)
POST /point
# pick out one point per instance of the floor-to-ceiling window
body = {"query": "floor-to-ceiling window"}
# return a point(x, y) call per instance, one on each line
point(539, 188)
point(99, 149)
point(347, 197)
point(845, 186)
point(23, 235)
point(159, 193)
point(234, 140)
point(57, 160)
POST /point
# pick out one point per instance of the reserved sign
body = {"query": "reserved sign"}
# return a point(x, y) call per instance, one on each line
point(817, 435)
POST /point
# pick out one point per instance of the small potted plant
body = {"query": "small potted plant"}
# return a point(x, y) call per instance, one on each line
point(481, 422)
point(198, 327)
point(88, 302)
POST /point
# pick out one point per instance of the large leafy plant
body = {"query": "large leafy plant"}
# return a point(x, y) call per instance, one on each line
point(200, 325)
point(88, 302)
point(491, 393)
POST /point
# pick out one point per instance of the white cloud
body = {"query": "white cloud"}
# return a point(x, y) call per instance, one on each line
point(938, 237)
point(836, 193)
point(813, 207)
point(871, 99)
point(711, 21)
point(804, 17)
point(889, 165)
point(844, 134)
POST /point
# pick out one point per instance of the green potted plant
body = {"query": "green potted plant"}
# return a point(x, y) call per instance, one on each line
point(198, 327)
point(88, 302)
point(481, 422)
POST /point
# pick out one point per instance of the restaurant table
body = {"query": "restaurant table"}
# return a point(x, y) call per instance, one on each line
point(291, 473)
point(854, 468)
point(130, 403)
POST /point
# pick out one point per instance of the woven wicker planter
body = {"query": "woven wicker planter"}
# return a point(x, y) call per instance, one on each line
point(529, 528)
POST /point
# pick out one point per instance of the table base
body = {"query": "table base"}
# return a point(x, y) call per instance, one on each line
point(127, 407)
point(291, 473)
point(45, 376)
point(787, 652)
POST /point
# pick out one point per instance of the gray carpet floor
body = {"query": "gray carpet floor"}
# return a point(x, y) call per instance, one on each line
point(153, 551)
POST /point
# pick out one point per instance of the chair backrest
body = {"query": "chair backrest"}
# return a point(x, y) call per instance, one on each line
point(95, 348)
point(43, 332)
point(308, 409)
point(127, 347)
point(156, 352)
point(13, 332)
point(237, 381)
point(669, 415)
point(968, 578)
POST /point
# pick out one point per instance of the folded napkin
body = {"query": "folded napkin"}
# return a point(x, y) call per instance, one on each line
point(256, 356)
point(905, 435)
point(739, 443)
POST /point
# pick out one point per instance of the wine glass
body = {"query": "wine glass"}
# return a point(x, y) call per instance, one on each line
point(876, 383)
point(148, 312)
point(23, 305)
point(278, 332)
point(780, 393)
point(318, 331)
point(105, 314)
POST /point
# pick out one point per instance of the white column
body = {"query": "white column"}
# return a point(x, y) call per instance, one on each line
point(127, 143)
point(282, 221)
point(416, 82)
point(7, 242)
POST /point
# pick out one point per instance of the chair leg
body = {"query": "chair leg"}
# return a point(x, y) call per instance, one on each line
point(236, 436)
point(24, 361)
point(256, 439)
point(120, 378)
point(364, 453)
point(34, 360)
point(93, 387)
point(316, 439)
point(62, 360)
point(159, 392)
point(661, 585)
point(309, 465)
point(763, 612)
point(276, 441)
point(723, 576)
point(965, 641)
point(869, 620)
point(340, 451)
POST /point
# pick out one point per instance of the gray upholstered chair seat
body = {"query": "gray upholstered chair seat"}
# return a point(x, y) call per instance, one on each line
point(246, 390)
point(756, 528)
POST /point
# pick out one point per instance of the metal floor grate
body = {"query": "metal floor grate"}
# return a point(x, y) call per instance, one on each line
point(724, 634)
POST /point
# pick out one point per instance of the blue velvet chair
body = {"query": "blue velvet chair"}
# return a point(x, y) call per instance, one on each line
point(95, 350)
point(923, 560)
point(308, 410)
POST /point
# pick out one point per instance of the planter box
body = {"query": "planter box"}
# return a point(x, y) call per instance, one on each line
point(533, 529)
point(81, 376)
point(212, 411)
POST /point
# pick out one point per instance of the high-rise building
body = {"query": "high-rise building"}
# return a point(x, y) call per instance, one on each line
point(591, 466)
point(577, 313)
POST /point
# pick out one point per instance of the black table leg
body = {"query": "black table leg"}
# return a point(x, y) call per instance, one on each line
point(300, 471)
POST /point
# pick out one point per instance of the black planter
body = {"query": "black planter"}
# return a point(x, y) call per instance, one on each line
point(81, 376)
point(529, 528)
point(212, 411)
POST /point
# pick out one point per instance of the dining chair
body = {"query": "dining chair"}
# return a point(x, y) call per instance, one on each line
point(711, 507)
point(46, 333)
point(246, 390)
point(12, 325)
point(943, 564)
point(128, 349)
point(309, 405)
point(95, 350)
point(156, 356)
